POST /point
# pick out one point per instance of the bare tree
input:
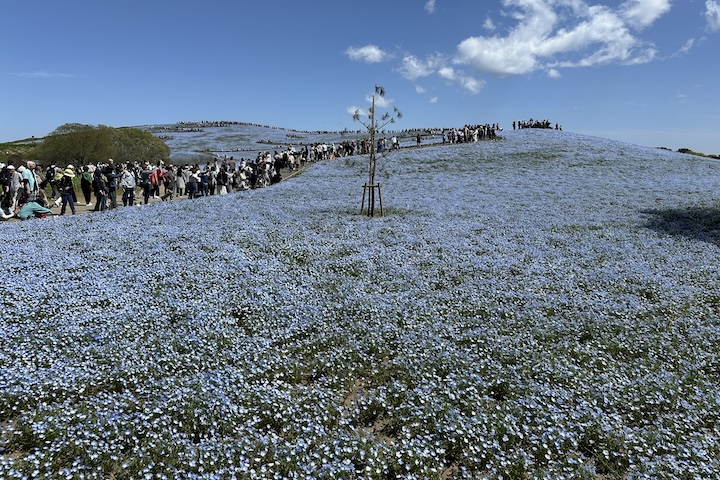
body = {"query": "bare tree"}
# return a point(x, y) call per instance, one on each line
point(374, 125)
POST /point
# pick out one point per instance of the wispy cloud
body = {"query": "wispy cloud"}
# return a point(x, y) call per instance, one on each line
point(419, 89)
point(41, 75)
point(413, 68)
point(470, 84)
point(712, 14)
point(430, 6)
point(685, 48)
point(434, 100)
point(367, 54)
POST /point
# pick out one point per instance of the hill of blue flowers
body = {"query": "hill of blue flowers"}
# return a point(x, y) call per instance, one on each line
point(544, 306)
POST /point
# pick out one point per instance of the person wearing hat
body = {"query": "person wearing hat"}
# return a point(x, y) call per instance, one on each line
point(67, 193)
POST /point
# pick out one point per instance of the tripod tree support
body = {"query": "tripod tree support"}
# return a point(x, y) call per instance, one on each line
point(374, 126)
point(369, 192)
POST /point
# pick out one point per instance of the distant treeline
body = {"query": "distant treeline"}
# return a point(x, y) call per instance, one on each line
point(690, 152)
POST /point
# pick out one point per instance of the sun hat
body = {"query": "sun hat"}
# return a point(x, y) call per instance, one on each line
point(11, 167)
point(69, 172)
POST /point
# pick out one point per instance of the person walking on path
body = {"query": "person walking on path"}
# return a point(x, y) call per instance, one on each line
point(65, 186)
point(170, 183)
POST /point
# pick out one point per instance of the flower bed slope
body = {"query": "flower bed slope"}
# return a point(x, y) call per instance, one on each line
point(543, 306)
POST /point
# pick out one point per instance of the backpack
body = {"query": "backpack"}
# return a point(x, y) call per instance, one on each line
point(22, 196)
point(5, 178)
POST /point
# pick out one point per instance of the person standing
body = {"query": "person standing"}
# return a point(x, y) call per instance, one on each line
point(127, 183)
point(212, 180)
point(192, 184)
point(170, 183)
point(30, 180)
point(204, 183)
point(86, 180)
point(181, 180)
point(145, 182)
point(112, 175)
point(67, 194)
point(15, 182)
point(222, 181)
point(101, 190)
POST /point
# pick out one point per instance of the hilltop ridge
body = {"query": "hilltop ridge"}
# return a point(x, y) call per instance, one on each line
point(188, 139)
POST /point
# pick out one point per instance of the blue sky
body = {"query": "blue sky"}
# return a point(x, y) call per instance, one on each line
point(642, 71)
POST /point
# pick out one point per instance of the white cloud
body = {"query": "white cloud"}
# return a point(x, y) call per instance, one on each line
point(413, 68)
point(352, 110)
point(712, 14)
point(472, 85)
point(563, 33)
point(643, 13)
point(552, 73)
point(430, 6)
point(419, 89)
point(367, 54)
point(380, 102)
point(434, 100)
point(447, 73)
point(489, 24)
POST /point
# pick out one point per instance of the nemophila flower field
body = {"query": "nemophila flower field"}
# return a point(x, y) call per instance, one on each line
point(545, 306)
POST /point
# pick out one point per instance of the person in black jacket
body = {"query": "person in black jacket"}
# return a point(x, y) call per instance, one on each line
point(67, 192)
point(101, 191)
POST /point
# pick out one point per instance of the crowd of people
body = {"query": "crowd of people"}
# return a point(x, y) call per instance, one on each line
point(471, 133)
point(24, 188)
point(521, 124)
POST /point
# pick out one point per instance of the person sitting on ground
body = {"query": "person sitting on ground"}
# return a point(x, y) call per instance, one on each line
point(28, 211)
